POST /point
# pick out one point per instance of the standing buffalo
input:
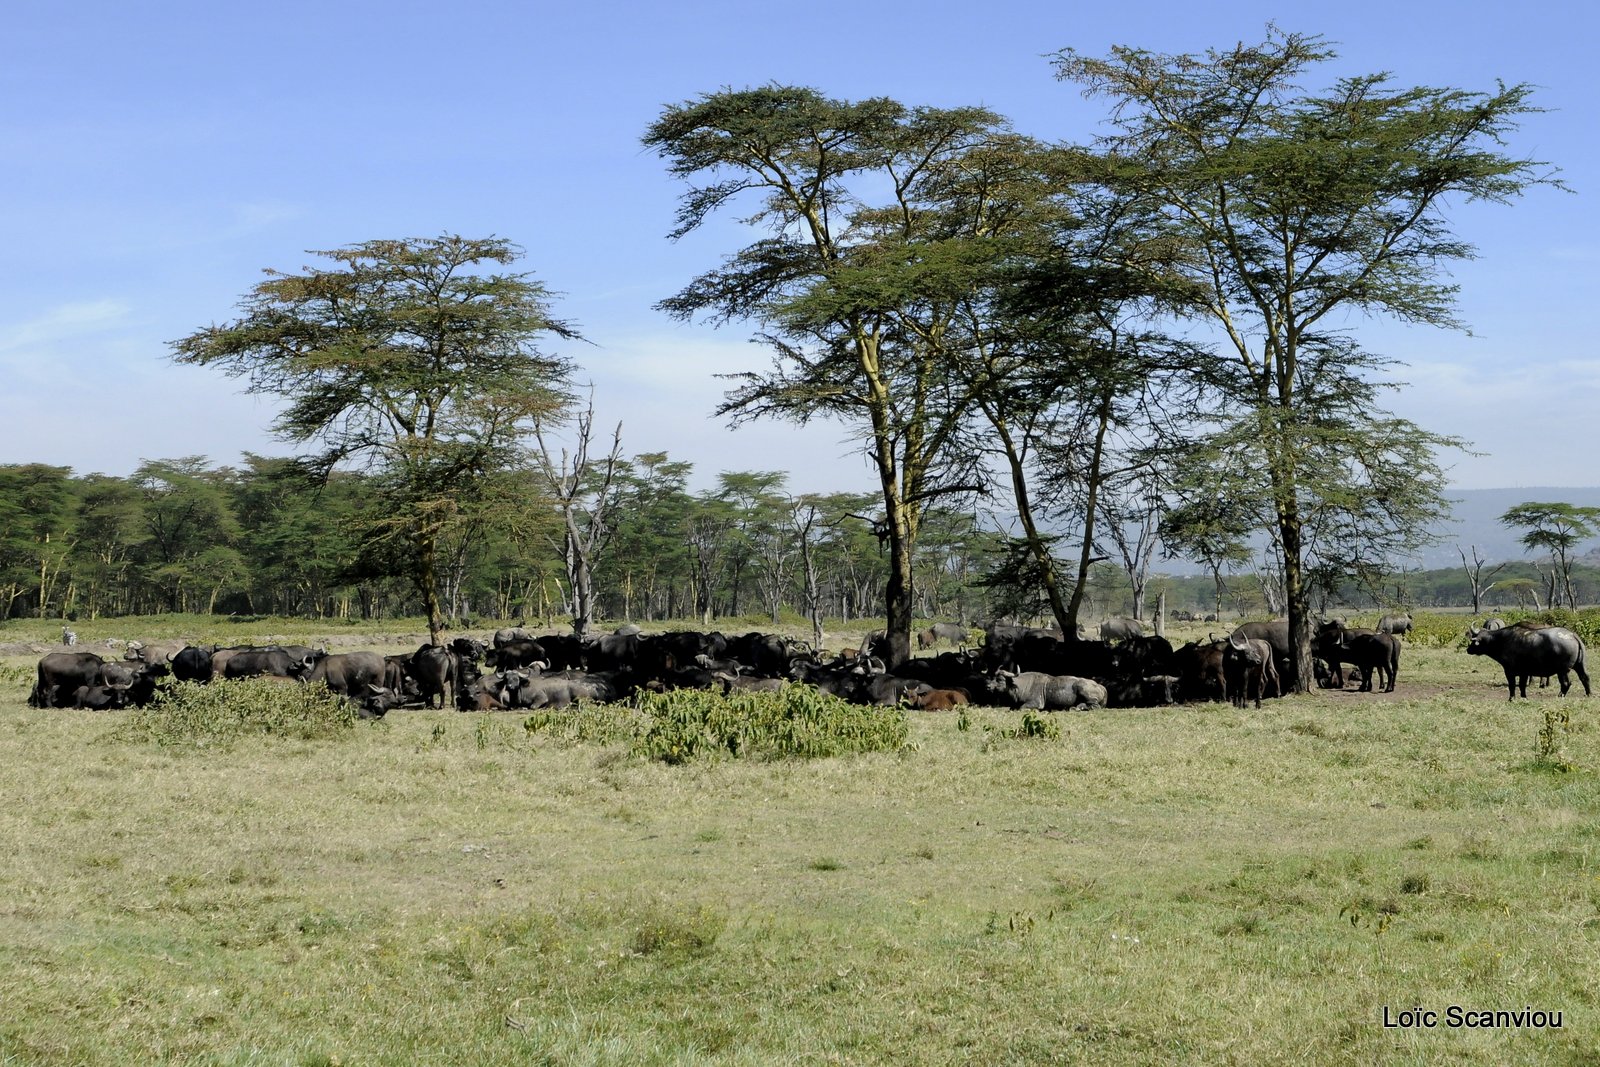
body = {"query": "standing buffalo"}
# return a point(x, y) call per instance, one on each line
point(1276, 634)
point(1372, 652)
point(434, 668)
point(1395, 624)
point(1248, 665)
point(1121, 629)
point(61, 675)
point(1366, 650)
point(953, 632)
point(352, 673)
point(1200, 671)
point(1526, 649)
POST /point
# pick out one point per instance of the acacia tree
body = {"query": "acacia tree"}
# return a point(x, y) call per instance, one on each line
point(1298, 210)
point(405, 356)
point(1555, 528)
point(845, 289)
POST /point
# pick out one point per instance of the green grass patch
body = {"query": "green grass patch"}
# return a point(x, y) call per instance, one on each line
point(1175, 885)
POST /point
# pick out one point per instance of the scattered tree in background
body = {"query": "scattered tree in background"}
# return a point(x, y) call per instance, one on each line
point(1555, 529)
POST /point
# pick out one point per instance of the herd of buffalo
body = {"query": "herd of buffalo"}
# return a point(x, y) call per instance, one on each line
point(1014, 666)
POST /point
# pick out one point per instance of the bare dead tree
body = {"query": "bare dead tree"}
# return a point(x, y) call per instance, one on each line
point(1476, 576)
point(583, 489)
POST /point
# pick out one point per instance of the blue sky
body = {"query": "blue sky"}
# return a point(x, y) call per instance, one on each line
point(161, 155)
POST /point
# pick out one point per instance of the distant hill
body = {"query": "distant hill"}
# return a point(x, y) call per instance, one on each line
point(1477, 522)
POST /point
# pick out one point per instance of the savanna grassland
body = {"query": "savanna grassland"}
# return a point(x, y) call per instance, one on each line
point(1191, 885)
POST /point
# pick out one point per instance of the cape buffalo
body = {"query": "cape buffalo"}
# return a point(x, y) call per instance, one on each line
point(1395, 624)
point(1524, 650)
point(953, 632)
point(434, 668)
point(61, 675)
point(1248, 663)
point(1121, 629)
point(1051, 691)
point(351, 673)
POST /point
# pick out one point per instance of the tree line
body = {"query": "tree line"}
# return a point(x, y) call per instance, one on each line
point(260, 538)
point(264, 537)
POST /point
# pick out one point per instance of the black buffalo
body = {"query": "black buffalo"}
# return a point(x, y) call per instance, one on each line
point(192, 664)
point(61, 675)
point(1366, 650)
point(434, 668)
point(1527, 649)
point(1248, 665)
point(352, 673)
point(254, 661)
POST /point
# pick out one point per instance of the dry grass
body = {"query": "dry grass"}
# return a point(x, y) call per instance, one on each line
point(1192, 885)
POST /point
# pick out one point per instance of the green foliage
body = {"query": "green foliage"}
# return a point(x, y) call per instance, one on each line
point(1555, 528)
point(795, 722)
point(224, 712)
point(1032, 726)
point(585, 724)
point(1435, 630)
point(1300, 210)
point(1550, 750)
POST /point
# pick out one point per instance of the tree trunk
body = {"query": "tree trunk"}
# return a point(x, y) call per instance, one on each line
point(1298, 603)
point(1069, 625)
point(427, 585)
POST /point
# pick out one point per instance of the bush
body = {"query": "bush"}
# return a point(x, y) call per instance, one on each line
point(795, 721)
point(604, 724)
point(1030, 726)
point(1437, 630)
point(223, 712)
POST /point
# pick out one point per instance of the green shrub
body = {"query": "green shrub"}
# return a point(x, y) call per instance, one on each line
point(1437, 630)
point(795, 721)
point(223, 712)
point(1036, 727)
point(604, 724)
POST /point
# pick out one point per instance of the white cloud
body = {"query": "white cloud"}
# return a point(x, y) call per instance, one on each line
point(664, 387)
point(63, 323)
point(1530, 419)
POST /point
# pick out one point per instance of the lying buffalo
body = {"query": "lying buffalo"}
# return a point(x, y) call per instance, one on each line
point(250, 662)
point(1527, 649)
point(1051, 691)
